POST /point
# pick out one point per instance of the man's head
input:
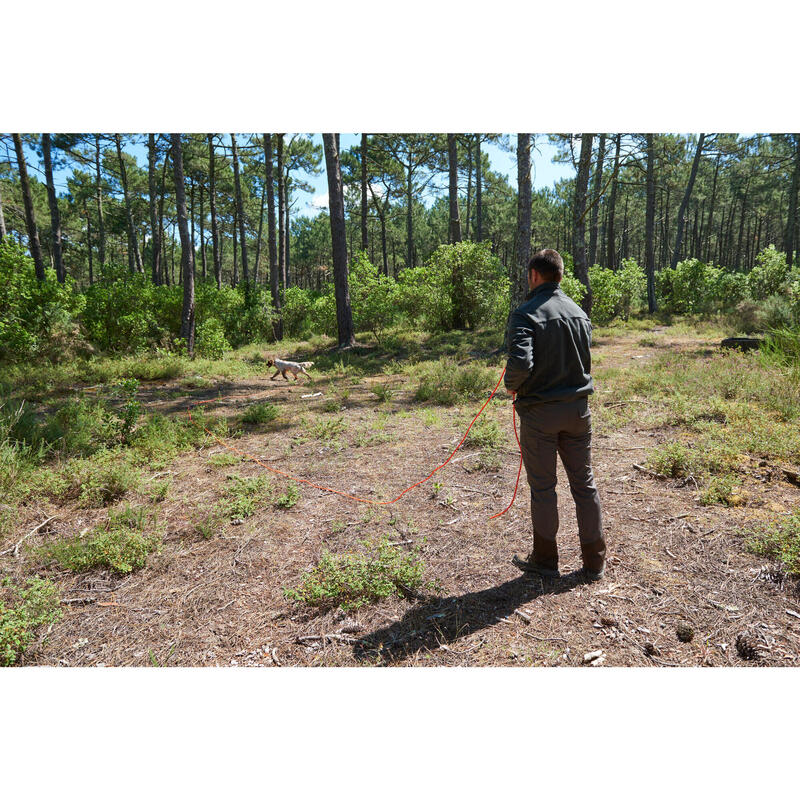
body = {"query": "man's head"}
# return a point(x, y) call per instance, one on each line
point(545, 266)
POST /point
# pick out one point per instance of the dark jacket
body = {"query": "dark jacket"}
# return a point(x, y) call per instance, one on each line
point(548, 349)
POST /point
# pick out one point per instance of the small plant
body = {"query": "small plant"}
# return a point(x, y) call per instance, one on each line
point(260, 414)
point(328, 429)
point(208, 525)
point(446, 383)
point(105, 478)
point(352, 580)
point(22, 610)
point(224, 459)
point(383, 392)
point(331, 406)
point(779, 541)
point(721, 489)
point(436, 487)
point(131, 408)
point(120, 545)
point(245, 495)
point(486, 434)
point(337, 526)
point(159, 489)
point(290, 498)
point(672, 459)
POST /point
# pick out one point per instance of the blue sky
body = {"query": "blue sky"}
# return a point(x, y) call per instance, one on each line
point(544, 172)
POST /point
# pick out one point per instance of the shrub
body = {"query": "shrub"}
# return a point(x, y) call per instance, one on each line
point(355, 579)
point(290, 498)
point(373, 297)
point(779, 541)
point(296, 311)
point(444, 382)
point(486, 434)
point(245, 496)
point(38, 317)
point(120, 545)
point(260, 414)
point(22, 610)
point(688, 288)
point(211, 341)
point(104, 478)
point(776, 312)
point(616, 293)
point(770, 273)
point(673, 459)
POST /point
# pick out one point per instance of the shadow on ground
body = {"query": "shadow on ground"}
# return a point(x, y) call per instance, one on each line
point(443, 620)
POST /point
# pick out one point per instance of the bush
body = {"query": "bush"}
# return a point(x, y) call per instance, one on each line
point(444, 382)
point(769, 275)
point(779, 541)
point(211, 341)
point(688, 288)
point(39, 318)
point(373, 297)
point(260, 414)
point(119, 545)
point(296, 311)
point(22, 610)
point(355, 579)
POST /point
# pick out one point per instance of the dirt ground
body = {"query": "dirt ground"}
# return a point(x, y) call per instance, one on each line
point(220, 602)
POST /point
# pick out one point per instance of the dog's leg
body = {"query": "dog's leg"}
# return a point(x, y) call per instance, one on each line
point(284, 375)
point(275, 375)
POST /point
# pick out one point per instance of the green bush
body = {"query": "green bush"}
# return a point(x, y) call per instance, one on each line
point(373, 296)
point(355, 579)
point(779, 541)
point(260, 414)
point(37, 318)
point(769, 275)
point(688, 288)
point(211, 341)
point(120, 545)
point(296, 311)
point(444, 382)
point(22, 610)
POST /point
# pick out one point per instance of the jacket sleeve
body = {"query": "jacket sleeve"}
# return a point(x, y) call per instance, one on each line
point(520, 352)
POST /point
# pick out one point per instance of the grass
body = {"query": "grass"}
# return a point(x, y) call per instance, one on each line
point(22, 610)
point(328, 429)
point(122, 544)
point(352, 580)
point(444, 382)
point(260, 414)
point(245, 495)
point(780, 542)
point(224, 459)
point(289, 498)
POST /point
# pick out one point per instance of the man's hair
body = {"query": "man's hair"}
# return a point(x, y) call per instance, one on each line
point(548, 263)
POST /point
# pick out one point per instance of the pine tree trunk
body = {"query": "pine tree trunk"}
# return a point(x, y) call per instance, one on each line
point(260, 233)
point(790, 244)
point(452, 162)
point(89, 241)
point(203, 234)
point(2, 220)
point(685, 202)
point(55, 217)
point(163, 272)
point(579, 220)
point(187, 247)
point(469, 188)
point(132, 238)
point(364, 242)
point(240, 211)
point(598, 184)
point(27, 200)
point(519, 278)
point(155, 231)
point(710, 224)
point(281, 231)
point(478, 193)
point(212, 205)
point(274, 282)
point(409, 221)
point(650, 218)
point(101, 227)
point(344, 316)
point(286, 233)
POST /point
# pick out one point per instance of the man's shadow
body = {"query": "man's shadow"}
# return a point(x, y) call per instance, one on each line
point(442, 620)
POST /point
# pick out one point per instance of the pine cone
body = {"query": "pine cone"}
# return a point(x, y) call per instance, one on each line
point(684, 632)
point(746, 648)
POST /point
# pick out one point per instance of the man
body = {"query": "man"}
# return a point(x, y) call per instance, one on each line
point(549, 368)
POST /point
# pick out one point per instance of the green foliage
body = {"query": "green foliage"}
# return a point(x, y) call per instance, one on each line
point(352, 580)
point(688, 288)
point(290, 498)
point(37, 318)
point(373, 296)
point(444, 382)
point(296, 310)
point(260, 414)
point(616, 292)
point(769, 275)
point(328, 429)
point(673, 459)
point(104, 478)
point(245, 496)
point(121, 545)
point(22, 610)
point(211, 341)
point(485, 434)
point(779, 541)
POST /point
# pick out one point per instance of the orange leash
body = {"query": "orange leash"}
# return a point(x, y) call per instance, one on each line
point(298, 479)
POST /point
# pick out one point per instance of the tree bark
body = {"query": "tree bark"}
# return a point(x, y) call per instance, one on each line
point(155, 231)
point(789, 242)
point(710, 223)
point(237, 186)
point(579, 220)
point(409, 221)
point(596, 189)
point(685, 202)
point(88, 241)
point(478, 193)
point(212, 205)
point(469, 188)
point(30, 218)
point(611, 257)
point(344, 316)
point(101, 244)
point(187, 247)
point(274, 282)
point(519, 280)
point(132, 238)
point(259, 238)
point(2, 220)
point(202, 219)
point(364, 242)
point(163, 272)
point(650, 217)
point(452, 163)
point(52, 201)
point(281, 198)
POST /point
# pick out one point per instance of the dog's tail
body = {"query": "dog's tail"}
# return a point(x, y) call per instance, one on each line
point(306, 364)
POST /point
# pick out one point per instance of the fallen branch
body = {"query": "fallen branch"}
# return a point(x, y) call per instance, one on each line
point(405, 541)
point(640, 468)
point(15, 548)
point(327, 637)
point(544, 638)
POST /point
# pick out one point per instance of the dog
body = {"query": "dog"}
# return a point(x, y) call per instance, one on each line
point(295, 367)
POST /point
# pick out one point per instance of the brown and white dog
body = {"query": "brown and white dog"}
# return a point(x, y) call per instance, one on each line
point(295, 367)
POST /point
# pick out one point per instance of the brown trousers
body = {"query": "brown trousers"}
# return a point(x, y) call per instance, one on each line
point(564, 428)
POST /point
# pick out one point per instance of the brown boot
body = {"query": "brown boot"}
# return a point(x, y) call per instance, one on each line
point(594, 558)
point(543, 560)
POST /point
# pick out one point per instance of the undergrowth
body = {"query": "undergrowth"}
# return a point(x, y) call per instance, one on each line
point(780, 542)
point(22, 611)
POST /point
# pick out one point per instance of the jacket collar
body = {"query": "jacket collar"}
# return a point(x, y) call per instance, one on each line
point(550, 286)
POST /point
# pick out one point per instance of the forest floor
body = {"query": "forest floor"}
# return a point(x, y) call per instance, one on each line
point(212, 594)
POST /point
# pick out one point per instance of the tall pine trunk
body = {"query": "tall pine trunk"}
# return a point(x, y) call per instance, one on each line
point(452, 163)
point(611, 258)
point(710, 223)
point(52, 201)
point(790, 243)
point(30, 218)
point(344, 316)
point(519, 280)
point(133, 241)
point(274, 282)
point(364, 242)
point(685, 202)
point(281, 198)
point(187, 247)
point(155, 230)
point(2, 220)
point(203, 233)
point(579, 220)
point(212, 205)
point(409, 221)
point(649, 227)
point(237, 187)
point(596, 189)
point(101, 227)
point(478, 192)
